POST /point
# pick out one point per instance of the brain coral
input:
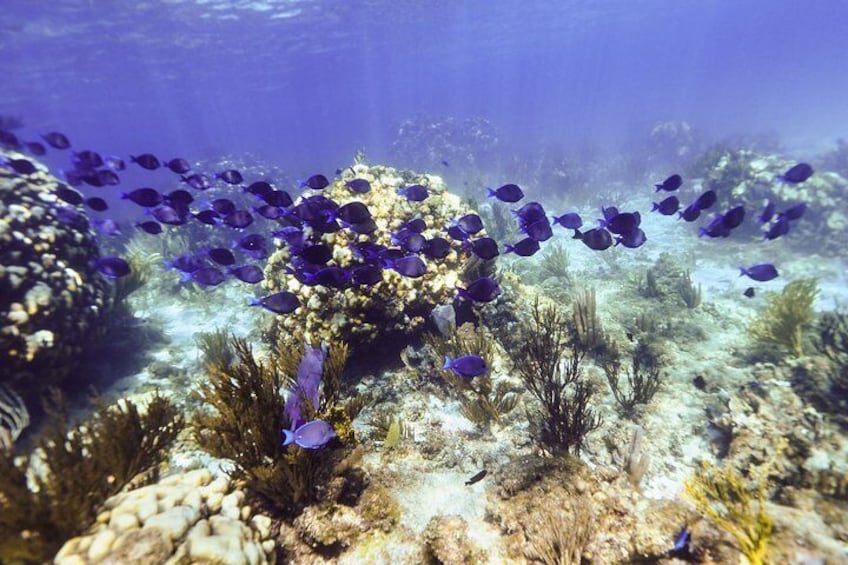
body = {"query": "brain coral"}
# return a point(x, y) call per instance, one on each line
point(50, 300)
point(397, 304)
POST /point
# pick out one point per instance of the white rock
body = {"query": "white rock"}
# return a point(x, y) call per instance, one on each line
point(268, 546)
point(214, 502)
point(193, 499)
point(146, 507)
point(262, 524)
point(69, 560)
point(175, 522)
point(209, 548)
point(246, 511)
point(101, 544)
point(199, 530)
point(174, 498)
point(221, 484)
point(123, 521)
point(251, 553)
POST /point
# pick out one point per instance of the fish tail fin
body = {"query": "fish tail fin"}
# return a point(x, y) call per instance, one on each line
point(577, 234)
point(654, 207)
point(254, 301)
point(288, 437)
point(185, 277)
point(658, 187)
point(555, 220)
point(743, 271)
point(702, 232)
point(462, 293)
point(509, 248)
point(491, 193)
point(447, 363)
point(124, 195)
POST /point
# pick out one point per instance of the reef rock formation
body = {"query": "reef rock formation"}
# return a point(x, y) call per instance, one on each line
point(50, 297)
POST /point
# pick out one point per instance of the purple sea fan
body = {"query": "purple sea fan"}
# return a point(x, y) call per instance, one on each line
point(309, 374)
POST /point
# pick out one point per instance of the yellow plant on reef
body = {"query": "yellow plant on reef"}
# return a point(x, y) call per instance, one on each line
point(782, 323)
point(722, 495)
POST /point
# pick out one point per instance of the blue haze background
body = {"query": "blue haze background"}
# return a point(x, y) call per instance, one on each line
point(305, 83)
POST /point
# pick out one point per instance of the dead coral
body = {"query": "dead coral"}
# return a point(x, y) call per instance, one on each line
point(78, 469)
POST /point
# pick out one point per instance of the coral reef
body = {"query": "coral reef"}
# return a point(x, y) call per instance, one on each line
point(822, 380)
point(395, 305)
point(14, 416)
point(51, 300)
point(54, 493)
point(779, 329)
point(746, 177)
point(723, 495)
point(562, 537)
point(446, 538)
point(190, 517)
point(549, 364)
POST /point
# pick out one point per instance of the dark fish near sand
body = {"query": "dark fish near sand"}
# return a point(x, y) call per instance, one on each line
point(632, 239)
point(414, 193)
point(21, 166)
point(411, 266)
point(570, 220)
point(524, 248)
point(97, 204)
point(762, 272)
point(35, 148)
point(197, 181)
point(230, 176)
point(69, 195)
point(151, 227)
point(437, 248)
point(222, 256)
point(749, 292)
point(250, 274)
point(540, 230)
point(670, 184)
point(767, 213)
point(239, 219)
point(179, 166)
point(359, 186)
point(797, 174)
point(667, 207)
point(485, 248)
point(476, 478)
point(596, 238)
point(146, 197)
point(206, 276)
point(795, 212)
point(705, 200)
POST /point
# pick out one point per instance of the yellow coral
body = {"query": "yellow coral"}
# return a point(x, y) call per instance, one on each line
point(782, 323)
point(721, 494)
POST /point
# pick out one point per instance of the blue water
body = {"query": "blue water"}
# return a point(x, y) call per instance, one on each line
point(304, 84)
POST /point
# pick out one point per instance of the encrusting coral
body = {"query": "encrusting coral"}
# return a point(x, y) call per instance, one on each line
point(54, 494)
point(396, 304)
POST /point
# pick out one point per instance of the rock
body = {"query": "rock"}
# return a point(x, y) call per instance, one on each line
point(146, 507)
point(101, 545)
point(175, 522)
point(446, 538)
point(215, 549)
point(123, 521)
point(262, 524)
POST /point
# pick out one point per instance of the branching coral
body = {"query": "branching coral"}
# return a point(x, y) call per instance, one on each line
point(589, 332)
point(483, 401)
point(689, 293)
point(562, 538)
point(214, 347)
point(549, 365)
point(643, 378)
point(78, 470)
point(781, 325)
point(249, 412)
point(722, 495)
point(555, 263)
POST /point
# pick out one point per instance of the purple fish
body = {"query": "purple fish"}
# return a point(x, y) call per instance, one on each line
point(540, 230)
point(151, 227)
point(146, 197)
point(414, 193)
point(312, 435)
point(768, 212)
point(667, 207)
point(716, 228)
point(107, 227)
point(570, 220)
point(35, 148)
point(179, 166)
point(208, 217)
point(146, 161)
point(359, 186)
point(230, 176)
point(691, 213)
point(179, 196)
point(252, 242)
point(317, 254)
point(670, 184)
point(330, 277)
point(596, 238)
point(410, 266)
point(239, 219)
point(278, 198)
point(437, 248)
point(352, 213)
point(97, 204)
point(734, 217)
point(197, 181)
point(56, 140)
point(467, 366)
point(367, 275)
point(779, 228)
point(279, 303)
point(112, 267)
point(250, 274)
point(315, 182)
point(470, 223)
point(260, 188)
point(103, 177)
point(187, 263)
point(762, 272)
point(86, 160)
point(797, 174)
point(530, 212)
point(485, 248)
point(507, 193)
point(309, 373)
point(632, 239)
point(795, 212)
point(524, 248)
point(21, 166)
point(222, 256)
point(206, 276)
point(705, 200)
point(484, 289)
point(369, 226)
point(168, 215)
point(622, 222)
point(69, 195)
